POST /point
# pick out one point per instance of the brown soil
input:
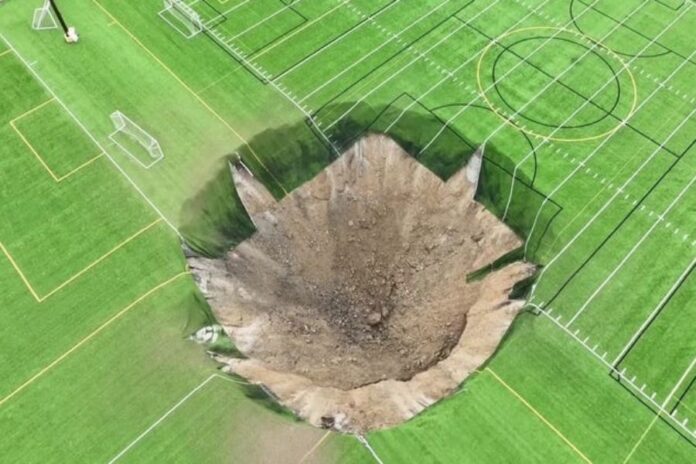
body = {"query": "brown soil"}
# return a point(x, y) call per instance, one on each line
point(351, 299)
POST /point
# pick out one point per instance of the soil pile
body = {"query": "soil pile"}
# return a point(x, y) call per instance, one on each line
point(351, 299)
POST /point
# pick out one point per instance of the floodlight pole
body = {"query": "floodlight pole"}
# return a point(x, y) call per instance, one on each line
point(60, 16)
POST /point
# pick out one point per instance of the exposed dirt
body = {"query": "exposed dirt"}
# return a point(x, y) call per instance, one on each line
point(351, 299)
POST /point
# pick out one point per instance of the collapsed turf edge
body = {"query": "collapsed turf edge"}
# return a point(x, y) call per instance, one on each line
point(351, 300)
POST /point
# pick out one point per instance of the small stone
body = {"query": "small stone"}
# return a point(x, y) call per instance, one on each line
point(374, 318)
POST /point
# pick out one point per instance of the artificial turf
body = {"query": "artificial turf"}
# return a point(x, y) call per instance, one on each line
point(94, 313)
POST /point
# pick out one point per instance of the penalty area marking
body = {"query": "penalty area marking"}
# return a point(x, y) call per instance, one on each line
point(41, 299)
point(44, 164)
point(508, 120)
point(86, 339)
point(84, 129)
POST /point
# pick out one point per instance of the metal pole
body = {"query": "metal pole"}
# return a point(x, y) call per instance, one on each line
point(60, 16)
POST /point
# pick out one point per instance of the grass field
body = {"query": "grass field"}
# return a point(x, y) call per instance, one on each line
point(588, 104)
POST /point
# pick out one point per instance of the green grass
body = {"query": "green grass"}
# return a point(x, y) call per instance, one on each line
point(67, 147)
point(80, 379)
point(235, 427)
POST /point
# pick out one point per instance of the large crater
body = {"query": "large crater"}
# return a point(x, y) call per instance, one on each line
point(351, 301)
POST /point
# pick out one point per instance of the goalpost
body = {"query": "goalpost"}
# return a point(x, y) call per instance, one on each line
point(43, 18)
point(188, 21)
point(132, 139)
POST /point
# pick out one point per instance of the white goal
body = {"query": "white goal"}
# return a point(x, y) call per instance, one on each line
point(182, 17)
point(135, 141)
point(43, 18)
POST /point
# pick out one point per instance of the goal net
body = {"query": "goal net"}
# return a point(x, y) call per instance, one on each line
point(182, 17)
point(135, 141)
point(43, 18)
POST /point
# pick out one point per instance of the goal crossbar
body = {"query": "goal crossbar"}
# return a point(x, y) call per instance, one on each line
point(125, 126)
point(43, 18)
point(188, 21)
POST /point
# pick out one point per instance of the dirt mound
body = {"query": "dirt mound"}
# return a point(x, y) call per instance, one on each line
point(351, 299)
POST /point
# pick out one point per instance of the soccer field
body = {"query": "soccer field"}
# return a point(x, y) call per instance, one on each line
point(586, 110)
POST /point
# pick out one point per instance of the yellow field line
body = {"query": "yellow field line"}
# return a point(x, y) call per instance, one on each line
point(41, 299)
point(33, 150)
point(85, 164)
point(89, 337)
point(189, 89)
point(9, 50)
point(215, 82)
point(19, 271)
point(36, 153)
point(315, 447)
point(539, 415)
point(640, 440)
point(37, 107)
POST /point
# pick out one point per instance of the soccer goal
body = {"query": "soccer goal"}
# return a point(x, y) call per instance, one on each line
point(135, 142)
point(43, 18)
point(182, 17)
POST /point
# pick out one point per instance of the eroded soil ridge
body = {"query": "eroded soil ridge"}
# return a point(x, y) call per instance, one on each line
point(351, 300)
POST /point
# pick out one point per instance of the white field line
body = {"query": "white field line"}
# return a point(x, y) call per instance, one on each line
point(608, 183)
point(369, 19)
point(410, 63)
point(654, 312)
point(169, 412)
point(635, 247)
point(375, 50)
point(510, 71)
point(163, 16)
point(266, 18)
point(281, 89)
point(636, 67)
point(640, 391)
point(223, 13)
point(226, 42)
point(300, 29)
point(606, 140)
point(675, 91)
point(619, 190)
point(91, 137)
point(679, 383)
point(594, 44)
point(366, 444)
point(447, 77)
point(161, 419)
point(642, 239)
point(609, 136)
point(392, 36)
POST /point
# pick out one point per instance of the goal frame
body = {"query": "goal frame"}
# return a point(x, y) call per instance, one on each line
point(152, 147)
point(185, 15)
point(41, 14)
